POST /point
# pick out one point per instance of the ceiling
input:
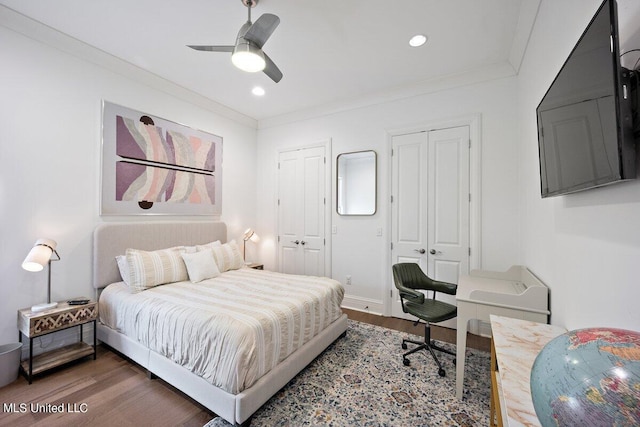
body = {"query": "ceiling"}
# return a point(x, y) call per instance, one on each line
point(331, 52)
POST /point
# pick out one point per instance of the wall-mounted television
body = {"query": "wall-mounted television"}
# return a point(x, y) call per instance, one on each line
point(585, 125)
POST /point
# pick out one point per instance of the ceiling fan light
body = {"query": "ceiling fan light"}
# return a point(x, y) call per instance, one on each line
point(418, 40)
point(248, 58)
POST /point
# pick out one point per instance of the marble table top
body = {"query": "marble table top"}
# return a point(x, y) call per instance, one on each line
point(517, 343)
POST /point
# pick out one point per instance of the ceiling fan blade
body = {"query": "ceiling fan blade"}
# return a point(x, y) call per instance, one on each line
point(262, 29)
point(271, 69)
point(213, 48)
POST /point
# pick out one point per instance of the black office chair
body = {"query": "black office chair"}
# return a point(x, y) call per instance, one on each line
point(408, 278)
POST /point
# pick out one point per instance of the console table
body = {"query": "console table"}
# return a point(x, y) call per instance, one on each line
point(515, 344)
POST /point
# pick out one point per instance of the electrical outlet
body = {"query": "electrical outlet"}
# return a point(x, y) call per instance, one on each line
point(348, 282)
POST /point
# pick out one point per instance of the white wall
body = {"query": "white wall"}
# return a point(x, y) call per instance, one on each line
point(50, 152)
point(585, 246)
point(356, 249)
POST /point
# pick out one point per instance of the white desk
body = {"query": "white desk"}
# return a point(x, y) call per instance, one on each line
point(515, 293)
point(515, 345)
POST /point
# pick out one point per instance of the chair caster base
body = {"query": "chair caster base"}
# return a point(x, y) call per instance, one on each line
point(406, 362)
point(404, 346)
point(441, 372)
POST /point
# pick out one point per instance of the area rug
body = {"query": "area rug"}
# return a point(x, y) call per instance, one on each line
point(360, 381)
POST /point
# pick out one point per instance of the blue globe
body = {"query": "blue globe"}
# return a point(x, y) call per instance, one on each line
point(588, 377)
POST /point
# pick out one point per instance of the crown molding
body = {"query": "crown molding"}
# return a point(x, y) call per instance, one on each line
point(51, 37)
point(478, 75)
point(526, 20)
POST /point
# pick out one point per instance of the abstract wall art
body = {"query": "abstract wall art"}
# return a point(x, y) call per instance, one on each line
point(154, 166)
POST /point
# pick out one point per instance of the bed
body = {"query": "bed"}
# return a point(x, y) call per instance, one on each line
point(272, 352)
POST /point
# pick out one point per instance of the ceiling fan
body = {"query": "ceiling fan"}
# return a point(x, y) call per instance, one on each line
point(247, 53)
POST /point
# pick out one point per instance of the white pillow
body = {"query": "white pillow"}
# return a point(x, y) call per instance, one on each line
point(149, 269)
point(201, 265)
point(210, 245)
point(198, 248)
point(228, 257)
point(121, 260)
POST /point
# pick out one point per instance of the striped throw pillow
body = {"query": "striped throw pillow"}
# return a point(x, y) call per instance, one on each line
point(152, 268)
point(228, 256)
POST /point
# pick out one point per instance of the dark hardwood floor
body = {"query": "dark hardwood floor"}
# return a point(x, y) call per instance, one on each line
point(437, 332)
point(112, 390)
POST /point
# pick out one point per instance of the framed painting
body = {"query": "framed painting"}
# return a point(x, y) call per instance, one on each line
point(155, 166)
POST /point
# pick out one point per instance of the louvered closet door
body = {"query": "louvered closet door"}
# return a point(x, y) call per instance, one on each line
point(301, 211)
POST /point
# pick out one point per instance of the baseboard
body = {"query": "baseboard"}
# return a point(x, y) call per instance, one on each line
point(371, 306)
point(484, 329)
point(363, 304)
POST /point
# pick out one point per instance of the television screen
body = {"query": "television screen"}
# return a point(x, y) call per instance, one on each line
point(584, 119)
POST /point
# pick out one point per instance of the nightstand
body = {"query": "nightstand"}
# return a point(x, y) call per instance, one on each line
point(64, 316)
point(256, 266)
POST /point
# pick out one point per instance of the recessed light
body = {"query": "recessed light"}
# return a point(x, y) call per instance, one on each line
point(258, 91)
point(417, 40)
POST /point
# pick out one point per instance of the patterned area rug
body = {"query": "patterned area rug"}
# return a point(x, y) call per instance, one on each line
point(360, 381)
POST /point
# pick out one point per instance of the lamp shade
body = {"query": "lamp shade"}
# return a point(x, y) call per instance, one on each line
point(248, 57)
point(39, 255)
point(249, 234)
point(36, 259)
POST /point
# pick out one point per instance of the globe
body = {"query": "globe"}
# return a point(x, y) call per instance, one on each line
point(588, 377)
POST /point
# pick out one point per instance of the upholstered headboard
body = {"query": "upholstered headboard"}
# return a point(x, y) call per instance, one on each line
point(111, 239)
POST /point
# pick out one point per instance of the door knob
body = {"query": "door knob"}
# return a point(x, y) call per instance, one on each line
point(420, 250)
point(297, 242)
point(432, 252)
point(303, 243)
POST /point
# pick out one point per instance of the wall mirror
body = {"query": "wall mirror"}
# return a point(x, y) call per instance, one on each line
point(356, 192)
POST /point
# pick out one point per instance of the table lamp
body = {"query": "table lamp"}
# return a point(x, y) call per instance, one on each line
point(249, 234)
point(40, 255)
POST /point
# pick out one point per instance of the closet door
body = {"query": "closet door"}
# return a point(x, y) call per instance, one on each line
point(301, 211)
point(448, 208)
point(430, 205)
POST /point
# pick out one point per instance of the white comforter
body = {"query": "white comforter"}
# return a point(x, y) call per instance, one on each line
point(230, 330)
